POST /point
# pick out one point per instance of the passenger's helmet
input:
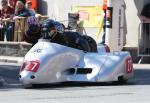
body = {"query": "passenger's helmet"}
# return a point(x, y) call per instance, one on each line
point(32, 20)
point(33, 24)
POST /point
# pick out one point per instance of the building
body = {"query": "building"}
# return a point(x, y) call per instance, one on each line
point(58, 10)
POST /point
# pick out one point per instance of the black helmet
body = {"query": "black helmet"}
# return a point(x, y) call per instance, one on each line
point(48, 29)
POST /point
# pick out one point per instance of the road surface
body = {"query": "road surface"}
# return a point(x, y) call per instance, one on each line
point(136, 91)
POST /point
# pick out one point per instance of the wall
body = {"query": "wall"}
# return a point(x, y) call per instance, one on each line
point(132, 23)
point(133, 9)
point(59, 8)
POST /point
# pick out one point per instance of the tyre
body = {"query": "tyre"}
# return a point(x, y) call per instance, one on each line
point(122, 80)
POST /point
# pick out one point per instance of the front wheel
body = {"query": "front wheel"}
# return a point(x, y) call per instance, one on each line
point(122, 80)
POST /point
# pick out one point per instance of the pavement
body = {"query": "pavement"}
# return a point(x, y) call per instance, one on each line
point(13, 52)
point(11, 60)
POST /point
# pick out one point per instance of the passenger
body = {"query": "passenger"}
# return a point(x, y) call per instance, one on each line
point(71, 39)
point(34, 30)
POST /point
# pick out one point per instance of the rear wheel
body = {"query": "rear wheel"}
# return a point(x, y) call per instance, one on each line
point(121, 81)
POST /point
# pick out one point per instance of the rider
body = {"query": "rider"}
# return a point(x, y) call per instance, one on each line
point(54, 31)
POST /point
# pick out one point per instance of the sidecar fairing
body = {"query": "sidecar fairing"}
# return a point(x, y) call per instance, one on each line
point(48, 62)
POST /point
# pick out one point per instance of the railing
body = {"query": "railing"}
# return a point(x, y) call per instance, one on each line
point(144, 39)
point(19, 26)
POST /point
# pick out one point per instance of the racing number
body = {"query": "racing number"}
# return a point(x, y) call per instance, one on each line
point(129, 65)
point(32, 66)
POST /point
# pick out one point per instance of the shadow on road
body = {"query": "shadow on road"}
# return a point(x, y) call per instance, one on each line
point(141, 77)
point(9, 74)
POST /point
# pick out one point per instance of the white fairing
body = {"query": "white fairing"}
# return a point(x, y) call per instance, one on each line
point(55, 59)
point(105, 67)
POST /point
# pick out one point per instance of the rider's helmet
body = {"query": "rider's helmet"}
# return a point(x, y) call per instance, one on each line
point(48, 29)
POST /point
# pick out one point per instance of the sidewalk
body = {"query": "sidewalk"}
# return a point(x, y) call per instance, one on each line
point(13, 52)
point(11, 60)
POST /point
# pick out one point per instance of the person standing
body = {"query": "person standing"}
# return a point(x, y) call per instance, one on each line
point(12, 3)
point(29, 6)
point(145, 13)
point(6, 14)
point(1, 28)
point(145, 19)
point(21, 13)
point(21, 10)
point(7, 11)
point(34, 4)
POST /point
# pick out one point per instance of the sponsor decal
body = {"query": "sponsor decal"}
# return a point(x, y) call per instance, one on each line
point(92, 16)
point(83, 14)
point(129, 65)
point(37, 50)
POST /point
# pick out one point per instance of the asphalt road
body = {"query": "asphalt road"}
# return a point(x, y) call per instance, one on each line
point(136, 91)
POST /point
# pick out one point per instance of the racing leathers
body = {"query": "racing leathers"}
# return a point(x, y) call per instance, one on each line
point(55, 32)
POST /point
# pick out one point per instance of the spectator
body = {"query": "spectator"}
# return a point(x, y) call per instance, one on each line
point(29, 6)
point(0, 12)
point(145, 13)
point(145, 18)
point(12, 3)
point(1, 29)
point(34, 4)
point(7, 11)
point(21, 10)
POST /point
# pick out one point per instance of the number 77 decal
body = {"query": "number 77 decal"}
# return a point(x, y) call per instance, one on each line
point(32, 66)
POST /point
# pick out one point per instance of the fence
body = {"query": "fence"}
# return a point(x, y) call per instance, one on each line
point(144, 39)
point(15, 29)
